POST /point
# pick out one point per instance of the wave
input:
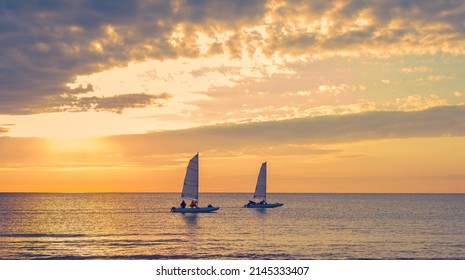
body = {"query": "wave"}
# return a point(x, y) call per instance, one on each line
point(167, 257)
point(71, 235)
point(35, 235)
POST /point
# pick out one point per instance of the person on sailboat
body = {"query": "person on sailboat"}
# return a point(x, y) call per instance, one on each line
point(194, 204)
point(183, 204)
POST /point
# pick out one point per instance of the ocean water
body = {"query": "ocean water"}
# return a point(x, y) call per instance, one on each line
point(308, 226)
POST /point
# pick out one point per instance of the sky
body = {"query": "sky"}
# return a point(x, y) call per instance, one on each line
point(337, 96)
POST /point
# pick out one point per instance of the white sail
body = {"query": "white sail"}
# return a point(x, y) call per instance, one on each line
point(260, 189)
point(191, 181)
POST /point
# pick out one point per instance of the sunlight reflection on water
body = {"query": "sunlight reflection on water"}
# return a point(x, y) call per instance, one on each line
point(308, 226)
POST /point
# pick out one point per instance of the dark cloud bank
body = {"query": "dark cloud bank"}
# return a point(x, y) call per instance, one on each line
point(435, 122)
point(116, 104)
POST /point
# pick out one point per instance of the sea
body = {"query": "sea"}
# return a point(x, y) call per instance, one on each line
point(128, 226)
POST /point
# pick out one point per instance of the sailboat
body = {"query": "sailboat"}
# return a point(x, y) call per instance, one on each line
point(191, 190)
point(260, 192)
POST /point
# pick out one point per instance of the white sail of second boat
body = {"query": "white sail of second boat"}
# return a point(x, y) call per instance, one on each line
point(260, 192)
point(260, 188)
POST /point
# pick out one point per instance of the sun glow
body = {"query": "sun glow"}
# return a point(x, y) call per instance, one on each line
point(75, 145)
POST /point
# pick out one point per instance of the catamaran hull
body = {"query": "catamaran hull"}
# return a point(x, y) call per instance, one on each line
point(269, 205)
point(194, 210)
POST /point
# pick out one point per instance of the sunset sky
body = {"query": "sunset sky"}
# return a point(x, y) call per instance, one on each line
point(337, 96)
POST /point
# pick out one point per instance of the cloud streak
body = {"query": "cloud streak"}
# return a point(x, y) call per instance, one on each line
point(116, 104)
point(314, 137)
point(4, 130)
point(434, 122)
point(75, 103)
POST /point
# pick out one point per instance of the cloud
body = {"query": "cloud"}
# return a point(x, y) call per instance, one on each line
point(421, 69)
point(120, 102)
point(336, 90)
point(45, 45)
point(416, 102)
point(440, 78)
point(434, 122)
point(116, 104)
point(358, 27)
point(303, 136)
point(5, 128)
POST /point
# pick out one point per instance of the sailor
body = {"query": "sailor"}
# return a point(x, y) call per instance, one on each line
point(194, 204)
point(183, 204)
point(251, 202)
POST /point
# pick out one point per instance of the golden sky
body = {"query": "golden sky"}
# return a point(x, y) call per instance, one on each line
point(337, 96)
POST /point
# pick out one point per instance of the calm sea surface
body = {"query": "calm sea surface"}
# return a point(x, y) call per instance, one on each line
point(308, 226)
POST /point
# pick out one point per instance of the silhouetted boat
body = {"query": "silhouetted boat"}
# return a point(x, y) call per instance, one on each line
point(190, 189)
point(260, 192)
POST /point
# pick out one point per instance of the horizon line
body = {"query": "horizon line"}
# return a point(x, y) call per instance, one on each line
point(155, 192)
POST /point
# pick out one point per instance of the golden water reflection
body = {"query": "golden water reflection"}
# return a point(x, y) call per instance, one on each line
point(311, 226)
